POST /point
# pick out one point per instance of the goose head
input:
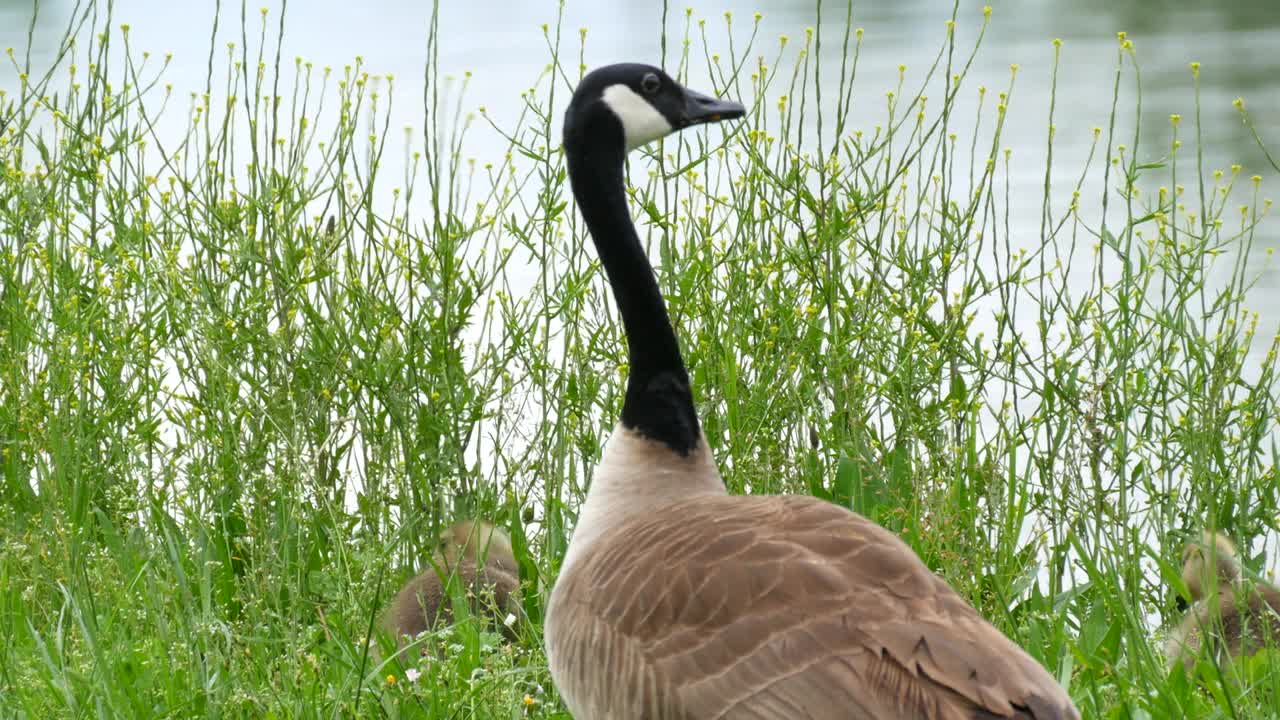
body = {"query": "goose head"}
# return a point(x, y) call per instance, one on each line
point(1209, 564)
point(627, 105)
point(479, 543)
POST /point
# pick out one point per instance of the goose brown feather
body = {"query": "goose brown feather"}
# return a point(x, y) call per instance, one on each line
point(779, 607)
point(1231, 617)
point(479, 558)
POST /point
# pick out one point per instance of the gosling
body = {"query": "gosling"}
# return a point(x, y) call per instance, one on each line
point(1229, 617)
point(480, 556)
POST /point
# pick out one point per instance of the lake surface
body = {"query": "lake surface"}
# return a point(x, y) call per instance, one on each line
point(501, 44)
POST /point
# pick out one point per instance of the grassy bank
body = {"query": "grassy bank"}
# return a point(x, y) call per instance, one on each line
point(244, 370)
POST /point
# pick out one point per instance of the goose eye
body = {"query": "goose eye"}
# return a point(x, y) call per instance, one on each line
point(650, 83)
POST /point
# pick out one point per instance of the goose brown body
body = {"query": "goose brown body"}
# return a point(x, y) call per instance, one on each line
point(720, 606)
point(479, 555)
point(1231, 616)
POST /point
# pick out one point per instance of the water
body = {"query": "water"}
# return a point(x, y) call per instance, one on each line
point(502, 44)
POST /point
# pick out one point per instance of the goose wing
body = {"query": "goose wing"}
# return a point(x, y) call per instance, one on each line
point(781, 607)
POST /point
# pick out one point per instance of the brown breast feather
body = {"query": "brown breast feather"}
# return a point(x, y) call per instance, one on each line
point(424, 602)
point(1241, 620)
point(789, 607)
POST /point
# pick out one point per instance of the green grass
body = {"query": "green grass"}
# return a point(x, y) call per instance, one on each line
point(227, 427)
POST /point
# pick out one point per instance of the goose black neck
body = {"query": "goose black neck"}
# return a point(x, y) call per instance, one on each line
point(659, 402)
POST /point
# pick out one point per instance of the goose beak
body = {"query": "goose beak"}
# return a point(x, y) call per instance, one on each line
point(699, 108)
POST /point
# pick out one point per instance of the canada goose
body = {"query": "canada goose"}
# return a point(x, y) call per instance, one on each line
point(1232, 616)
point(678, 601)
point(481, 557)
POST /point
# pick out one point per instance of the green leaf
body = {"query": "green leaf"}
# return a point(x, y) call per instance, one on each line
point(848, 484)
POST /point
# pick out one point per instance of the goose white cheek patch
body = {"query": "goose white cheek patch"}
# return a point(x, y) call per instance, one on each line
point(641, 122)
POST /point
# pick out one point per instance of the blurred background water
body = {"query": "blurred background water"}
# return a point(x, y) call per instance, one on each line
point(503, 46)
